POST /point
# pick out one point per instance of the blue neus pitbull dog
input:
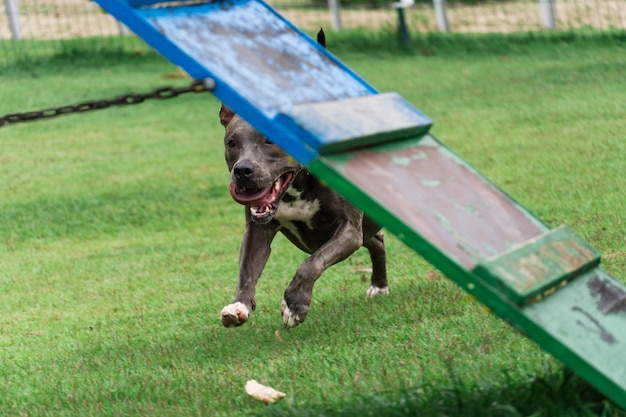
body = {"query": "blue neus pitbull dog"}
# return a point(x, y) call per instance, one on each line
point(280, 195)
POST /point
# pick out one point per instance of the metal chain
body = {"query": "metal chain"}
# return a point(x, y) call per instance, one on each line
point(126, 99)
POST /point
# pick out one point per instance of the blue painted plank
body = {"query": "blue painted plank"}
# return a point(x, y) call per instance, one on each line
point(262, 64)
point(249, 47)
point(339, 125)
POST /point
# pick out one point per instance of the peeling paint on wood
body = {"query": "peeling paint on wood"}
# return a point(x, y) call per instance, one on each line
point(538, 267)
point(357, 122)
point(441, 197)
point(594, 325)
point(611, 298)
point(248, 46)
point(584, 316)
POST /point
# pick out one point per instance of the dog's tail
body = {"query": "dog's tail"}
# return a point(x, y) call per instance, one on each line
point(321, 37)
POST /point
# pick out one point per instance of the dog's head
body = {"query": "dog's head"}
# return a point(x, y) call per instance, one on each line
point(260, 171)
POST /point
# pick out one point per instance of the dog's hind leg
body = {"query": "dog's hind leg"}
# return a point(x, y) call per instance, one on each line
point(376, 248)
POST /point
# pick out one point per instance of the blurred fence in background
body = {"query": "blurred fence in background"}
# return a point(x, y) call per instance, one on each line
point(466, 16)
point(24, 20)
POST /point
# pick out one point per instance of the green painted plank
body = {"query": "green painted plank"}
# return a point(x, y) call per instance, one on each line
point(584, 325)
point(438, 194)
point(447, 212)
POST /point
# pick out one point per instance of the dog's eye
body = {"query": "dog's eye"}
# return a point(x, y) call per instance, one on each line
point(268, 142)
point(231, 143)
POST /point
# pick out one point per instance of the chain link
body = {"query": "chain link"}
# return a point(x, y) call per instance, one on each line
point(161, 93)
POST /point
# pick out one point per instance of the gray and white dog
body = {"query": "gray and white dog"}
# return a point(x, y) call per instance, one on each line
point(280, 195)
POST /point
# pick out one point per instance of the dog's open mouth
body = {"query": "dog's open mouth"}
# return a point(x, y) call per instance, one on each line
point(263, 203)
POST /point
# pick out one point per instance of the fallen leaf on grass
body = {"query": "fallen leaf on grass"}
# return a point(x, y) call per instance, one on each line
point(179, 74)
point(432, 275)
point(262, 392)
point(361, 269)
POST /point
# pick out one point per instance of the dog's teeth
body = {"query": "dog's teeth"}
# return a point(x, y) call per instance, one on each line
point(277, 185)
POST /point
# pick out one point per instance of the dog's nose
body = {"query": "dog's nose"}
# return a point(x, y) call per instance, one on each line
point(243, 170)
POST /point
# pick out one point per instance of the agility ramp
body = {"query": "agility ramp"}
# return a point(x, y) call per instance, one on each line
point(377, 151)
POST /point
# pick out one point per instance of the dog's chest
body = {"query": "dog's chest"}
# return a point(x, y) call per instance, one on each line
point(295, 213)
point(293, 208)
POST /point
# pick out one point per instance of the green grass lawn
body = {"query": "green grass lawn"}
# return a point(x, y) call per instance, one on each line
point(119, 247)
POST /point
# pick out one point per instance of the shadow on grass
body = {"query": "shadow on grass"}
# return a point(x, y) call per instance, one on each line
point(386, 42)
point(93, 52)
point(34, 56)
point(557, 393)
point(91, 216)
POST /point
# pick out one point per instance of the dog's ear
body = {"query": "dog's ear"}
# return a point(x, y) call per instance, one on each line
point(226, 115)
point(321, 38)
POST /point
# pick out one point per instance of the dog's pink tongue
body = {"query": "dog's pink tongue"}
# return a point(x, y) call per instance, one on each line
point(258, 199)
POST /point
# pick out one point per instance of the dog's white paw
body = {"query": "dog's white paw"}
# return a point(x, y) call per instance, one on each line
point(289, 319)
point(235, 314)
point(376, 291)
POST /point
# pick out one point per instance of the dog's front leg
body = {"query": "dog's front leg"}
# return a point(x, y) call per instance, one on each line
point(346, 240)
point(255, 250)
